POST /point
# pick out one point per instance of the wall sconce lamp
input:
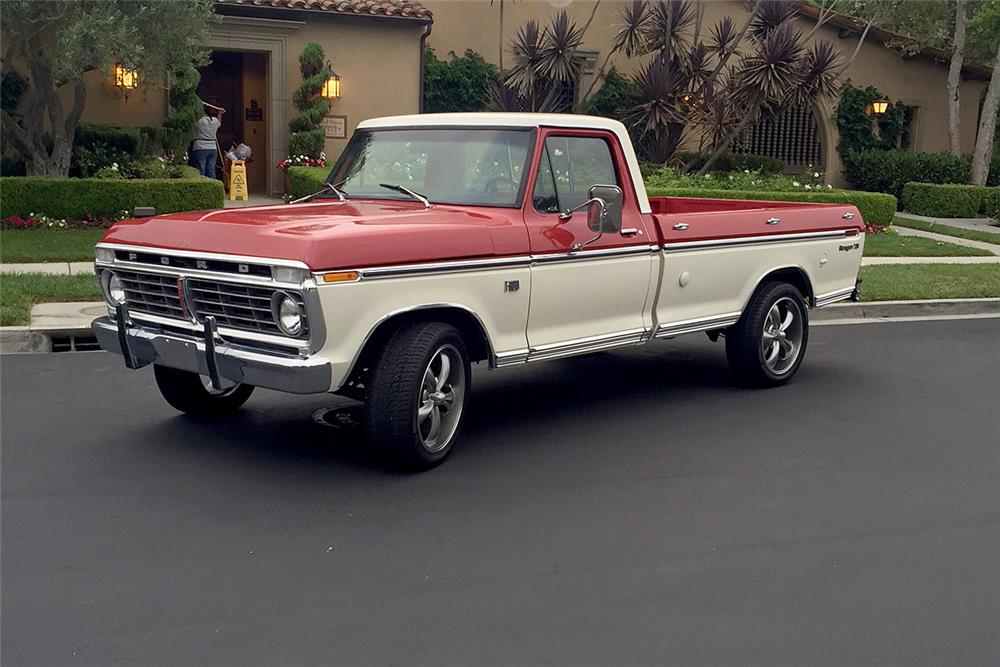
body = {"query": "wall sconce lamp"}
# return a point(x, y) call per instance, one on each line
point(879, 107)
point(125, 78)
point(331, 87)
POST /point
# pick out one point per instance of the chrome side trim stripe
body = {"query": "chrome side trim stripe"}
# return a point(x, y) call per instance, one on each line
point(512, 358)
point(832, 297)
point(584, 255)
point(754, 240)
point(491, 263)
point(700, 324)
point(443, 267)
point(583, 345)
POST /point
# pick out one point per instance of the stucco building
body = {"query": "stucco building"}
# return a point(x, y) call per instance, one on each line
point(377, 46)
point(801, 136)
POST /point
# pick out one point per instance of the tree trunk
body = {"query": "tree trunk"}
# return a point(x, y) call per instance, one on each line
point(955, 79)
point(987, 126)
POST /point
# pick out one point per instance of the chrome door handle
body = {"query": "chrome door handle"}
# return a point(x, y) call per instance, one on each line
point(772, 221)
point(629, 231)
point(681, 226)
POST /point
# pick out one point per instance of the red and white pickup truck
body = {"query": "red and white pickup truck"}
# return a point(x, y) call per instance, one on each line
point(446, 239)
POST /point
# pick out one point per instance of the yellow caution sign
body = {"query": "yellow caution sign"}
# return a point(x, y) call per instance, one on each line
point(238, 181)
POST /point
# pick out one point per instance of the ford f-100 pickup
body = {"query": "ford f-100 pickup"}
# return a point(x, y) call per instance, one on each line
point(445, 239)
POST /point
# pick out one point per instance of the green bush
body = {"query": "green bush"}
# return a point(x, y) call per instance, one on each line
point(991, 206)
point(304, 181)
point(889, 171)
point(306, 136)
point(667, 177)
point(75, 198)
point(457, 84)
point(875, 208)
point(945, 201)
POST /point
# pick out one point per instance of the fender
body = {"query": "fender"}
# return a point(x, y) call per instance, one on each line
point(791, 273)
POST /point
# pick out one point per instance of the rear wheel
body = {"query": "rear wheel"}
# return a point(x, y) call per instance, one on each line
point(416, 394)
point(766, 346)
point(194, 394)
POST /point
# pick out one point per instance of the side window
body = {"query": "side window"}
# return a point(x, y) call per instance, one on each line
point(570, 166)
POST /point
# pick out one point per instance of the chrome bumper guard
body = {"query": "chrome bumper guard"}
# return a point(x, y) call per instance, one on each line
point(210, 355)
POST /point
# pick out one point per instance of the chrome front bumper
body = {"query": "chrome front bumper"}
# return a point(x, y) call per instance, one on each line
point(214, 357)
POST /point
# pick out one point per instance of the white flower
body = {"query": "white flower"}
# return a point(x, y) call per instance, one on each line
point(807, 186)
point(795, 183)
point(829, 187)
point(815, 174)
point(746, 171)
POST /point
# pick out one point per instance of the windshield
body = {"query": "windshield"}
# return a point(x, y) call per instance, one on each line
point(473, 167)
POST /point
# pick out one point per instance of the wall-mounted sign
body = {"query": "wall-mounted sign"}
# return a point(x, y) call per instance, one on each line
point(335, 126)
point(254, 113)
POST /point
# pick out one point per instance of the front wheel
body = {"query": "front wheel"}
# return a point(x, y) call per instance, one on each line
point(766, 346)
point(194, 394)
point(416, 395)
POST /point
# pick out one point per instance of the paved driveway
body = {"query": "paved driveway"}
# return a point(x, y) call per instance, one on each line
point(622, 508)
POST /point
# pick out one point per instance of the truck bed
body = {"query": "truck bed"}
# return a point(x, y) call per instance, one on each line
point(689, 219)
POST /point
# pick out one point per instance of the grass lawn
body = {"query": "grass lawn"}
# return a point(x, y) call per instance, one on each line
point(18, 291)
point(48, 245)
point(971, 234)
point(904, 282)
point(891, 244)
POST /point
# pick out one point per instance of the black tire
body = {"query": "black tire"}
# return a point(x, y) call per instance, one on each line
point(186, 391)
point(397, 388)
point(745, 340)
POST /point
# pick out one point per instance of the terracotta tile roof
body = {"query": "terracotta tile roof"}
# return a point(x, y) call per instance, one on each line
point(388, 8)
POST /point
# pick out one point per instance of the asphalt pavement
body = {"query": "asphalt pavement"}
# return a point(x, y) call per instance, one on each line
point(623, 508)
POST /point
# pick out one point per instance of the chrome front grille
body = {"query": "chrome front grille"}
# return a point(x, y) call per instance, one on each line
point(188, 299)
point(152, 293)
point(237, 306)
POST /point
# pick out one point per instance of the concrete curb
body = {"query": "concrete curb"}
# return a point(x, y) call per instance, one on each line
point(25, 339)
point(924, 308)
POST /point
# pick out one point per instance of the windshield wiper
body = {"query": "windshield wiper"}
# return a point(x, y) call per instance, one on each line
point(407, 191)
point(327, 187)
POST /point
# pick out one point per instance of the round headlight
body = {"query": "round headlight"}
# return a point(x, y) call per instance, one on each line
point(287, 313)
point(114, 291)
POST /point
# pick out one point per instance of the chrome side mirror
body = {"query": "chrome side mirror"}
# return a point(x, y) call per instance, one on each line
point(608, 219)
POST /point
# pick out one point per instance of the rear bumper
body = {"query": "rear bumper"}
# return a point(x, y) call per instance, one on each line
point(297, 375)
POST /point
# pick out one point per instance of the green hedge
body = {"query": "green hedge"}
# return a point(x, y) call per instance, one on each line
point(889, 171)
point(73, 198)
point(876, 208)
point(304, 181)
point(991, 205)
point(946, 201)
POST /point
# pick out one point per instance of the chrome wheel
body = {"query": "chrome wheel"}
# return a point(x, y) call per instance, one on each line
point(442, 391)
point(782, 338)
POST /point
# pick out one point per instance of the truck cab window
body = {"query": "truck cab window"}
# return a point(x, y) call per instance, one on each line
point(569, 167)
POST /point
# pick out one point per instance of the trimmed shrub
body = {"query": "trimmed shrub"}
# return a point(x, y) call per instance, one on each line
point(304, 181)
point(991, 206)
point(876, 208)
point(945, 200)
point(306, 136)
point(889, 171)
point(79, 198)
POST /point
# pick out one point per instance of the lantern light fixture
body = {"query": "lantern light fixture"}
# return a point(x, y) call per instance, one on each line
point(331, 87)
point(879, 107)
point(126, 78)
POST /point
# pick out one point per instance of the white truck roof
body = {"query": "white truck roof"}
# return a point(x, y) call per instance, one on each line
point(503, 119)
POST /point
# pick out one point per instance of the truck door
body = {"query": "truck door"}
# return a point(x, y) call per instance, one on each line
point(594, 297)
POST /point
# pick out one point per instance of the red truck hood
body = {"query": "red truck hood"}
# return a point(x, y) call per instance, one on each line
point(329, 235)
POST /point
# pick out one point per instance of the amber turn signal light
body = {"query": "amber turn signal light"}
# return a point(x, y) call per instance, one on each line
point(340, 277)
